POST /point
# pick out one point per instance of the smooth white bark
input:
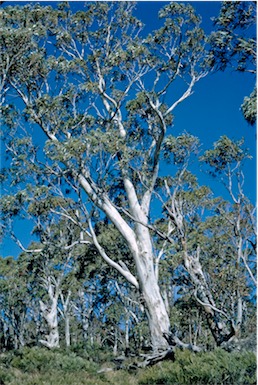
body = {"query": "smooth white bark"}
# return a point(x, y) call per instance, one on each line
point(50, 314)
point(65, 312)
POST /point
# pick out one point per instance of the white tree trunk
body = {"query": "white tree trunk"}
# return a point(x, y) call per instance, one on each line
point(158, 319)
point(49, 313)
point(84, 310)
point(140, 245)
point(66, 315)
point(127, 333)
point(115, 347)
point(67, 331)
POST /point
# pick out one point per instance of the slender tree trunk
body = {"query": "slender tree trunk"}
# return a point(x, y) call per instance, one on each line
point(22, 330)
point(215, 317)
point(66, 316)
point(6, 336)
point(21, 338)
point(127, 333)
point(67, 331)
point(36, 319)
point(85, 327)
point(14, 329)
point(115, 342)
point(84, 314)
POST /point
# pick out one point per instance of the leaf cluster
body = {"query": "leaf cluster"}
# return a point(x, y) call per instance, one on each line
point(226, 153)
point(234, 40)
point(180, 148)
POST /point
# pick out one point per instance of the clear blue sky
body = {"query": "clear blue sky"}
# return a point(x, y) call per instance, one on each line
point(213, 110)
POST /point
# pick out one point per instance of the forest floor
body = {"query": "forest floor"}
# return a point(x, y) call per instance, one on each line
point(38, 366)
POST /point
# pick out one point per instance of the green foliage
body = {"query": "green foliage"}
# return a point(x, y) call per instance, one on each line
point(249, 107)
point(93, 352)
point(40, 366)
point(233, 44)
point(42, 360)
point(180, 17)
point(215, 368)
point(180, 147)
point(226, 152)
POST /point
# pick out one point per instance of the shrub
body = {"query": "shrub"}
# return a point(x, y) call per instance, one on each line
point(5, 376)
point(41, 359)
point(93, 352)
point(215, 368)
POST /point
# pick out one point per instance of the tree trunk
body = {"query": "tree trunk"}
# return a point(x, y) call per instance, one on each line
point(158, 319)
point(127, 333)
point(215, 317)
point(66, 316)
point(157, 313)
point(67, 330)
point(85, 327)
point(115, 347)
point(84, 312)
point(140, 244)
point(49, 313)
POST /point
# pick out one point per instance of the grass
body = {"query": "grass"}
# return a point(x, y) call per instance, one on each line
point(39, 366)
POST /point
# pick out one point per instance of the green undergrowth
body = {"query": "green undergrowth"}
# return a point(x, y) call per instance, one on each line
point(39, 366)
point(214, 368)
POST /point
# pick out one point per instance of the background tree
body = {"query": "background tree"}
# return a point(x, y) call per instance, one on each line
point(226, 161)
point(15, 303)
point(211, 239)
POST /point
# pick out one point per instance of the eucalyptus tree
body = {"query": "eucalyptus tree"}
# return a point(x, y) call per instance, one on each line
point(15, 303)
point(213, 239)
point(51, 268)
point(225, 161)
point(185, 204)
point(99, 95)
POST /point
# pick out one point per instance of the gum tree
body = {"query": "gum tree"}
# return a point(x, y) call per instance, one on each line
point(15, 303)
point(225, 161)
point(212, 238)
point(51, 265)
point(86, 120)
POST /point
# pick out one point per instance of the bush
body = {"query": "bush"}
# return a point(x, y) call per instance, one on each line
point(5, 376)
point(93, 352)
point(36, 366)
point(41, 359)
point(216, 368)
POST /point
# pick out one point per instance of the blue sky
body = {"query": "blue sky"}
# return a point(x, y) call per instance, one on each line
point(213, 110)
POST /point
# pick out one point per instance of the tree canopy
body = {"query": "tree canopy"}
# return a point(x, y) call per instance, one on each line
point(234, 45)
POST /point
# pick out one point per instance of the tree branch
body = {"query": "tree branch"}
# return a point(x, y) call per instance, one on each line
point(125, 272)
